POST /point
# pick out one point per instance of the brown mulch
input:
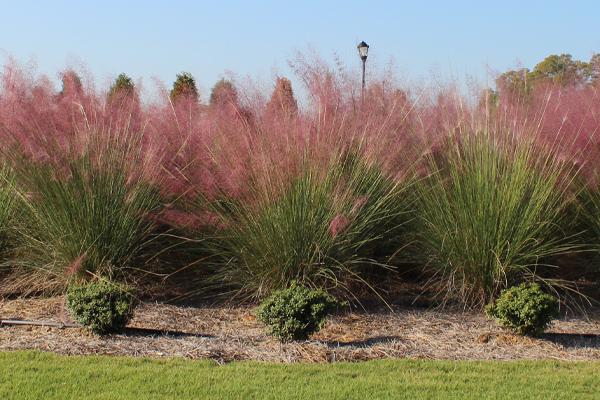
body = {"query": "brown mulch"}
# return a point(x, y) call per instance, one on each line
point(227, 334)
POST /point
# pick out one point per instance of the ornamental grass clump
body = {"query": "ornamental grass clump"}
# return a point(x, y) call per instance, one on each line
point(589, 219)
point(525, 309)
point(83, 175)
point(274, 192)
point(322, 227)
point(86, 211)
point(493, 210)
point(8, 211)
point(102, 306)
point(296, 313)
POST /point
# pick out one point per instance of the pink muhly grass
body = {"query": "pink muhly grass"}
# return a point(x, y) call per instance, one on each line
point(338, 224)
point(45, 123)
point(561, 119)
point(358, 204)
point(75, 267)
point(194, 221)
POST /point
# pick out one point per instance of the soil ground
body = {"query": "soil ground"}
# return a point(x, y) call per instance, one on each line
point(227, 334)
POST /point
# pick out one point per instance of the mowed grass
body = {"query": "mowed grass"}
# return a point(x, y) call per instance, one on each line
point(35, 375)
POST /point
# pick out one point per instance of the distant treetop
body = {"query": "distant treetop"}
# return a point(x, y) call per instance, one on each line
point(282, 99)
point(184, 87)
point(224, 92)
point(122, 85)
point(557, 69)
point(71, 84)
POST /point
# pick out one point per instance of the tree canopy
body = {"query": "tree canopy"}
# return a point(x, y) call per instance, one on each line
point(123, 85)
point(184, 87)
point(71, 84)
point(224, 92)
point(557, 69)
point(282, 99)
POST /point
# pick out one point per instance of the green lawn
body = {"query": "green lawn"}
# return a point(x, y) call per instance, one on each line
point(34, 375)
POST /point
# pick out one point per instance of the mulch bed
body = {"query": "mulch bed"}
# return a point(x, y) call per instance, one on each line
point(227, 334)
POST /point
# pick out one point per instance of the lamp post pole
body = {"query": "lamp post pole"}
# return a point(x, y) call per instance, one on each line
point(364, 62)
point(363, 52)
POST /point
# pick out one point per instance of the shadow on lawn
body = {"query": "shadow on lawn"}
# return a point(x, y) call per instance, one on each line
point(574, 340)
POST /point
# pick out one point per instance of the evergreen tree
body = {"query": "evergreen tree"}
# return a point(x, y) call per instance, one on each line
point(184, 87)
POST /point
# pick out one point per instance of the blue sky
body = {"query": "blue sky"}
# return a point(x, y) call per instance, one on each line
point(149, 39)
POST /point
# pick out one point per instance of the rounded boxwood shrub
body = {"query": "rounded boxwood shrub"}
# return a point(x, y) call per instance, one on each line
point(102, 306)
point(525, 309)
point(296, 312)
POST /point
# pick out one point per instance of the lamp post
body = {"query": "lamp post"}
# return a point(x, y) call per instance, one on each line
point(363, 52)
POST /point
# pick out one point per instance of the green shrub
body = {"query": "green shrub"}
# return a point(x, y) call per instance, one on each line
point(102, 306)
point(296, 313)
point(526, 309)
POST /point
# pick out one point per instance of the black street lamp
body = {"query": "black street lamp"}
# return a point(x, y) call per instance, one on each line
point(363, 52)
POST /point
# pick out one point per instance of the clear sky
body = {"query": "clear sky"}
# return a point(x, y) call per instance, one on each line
point(149, 38)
